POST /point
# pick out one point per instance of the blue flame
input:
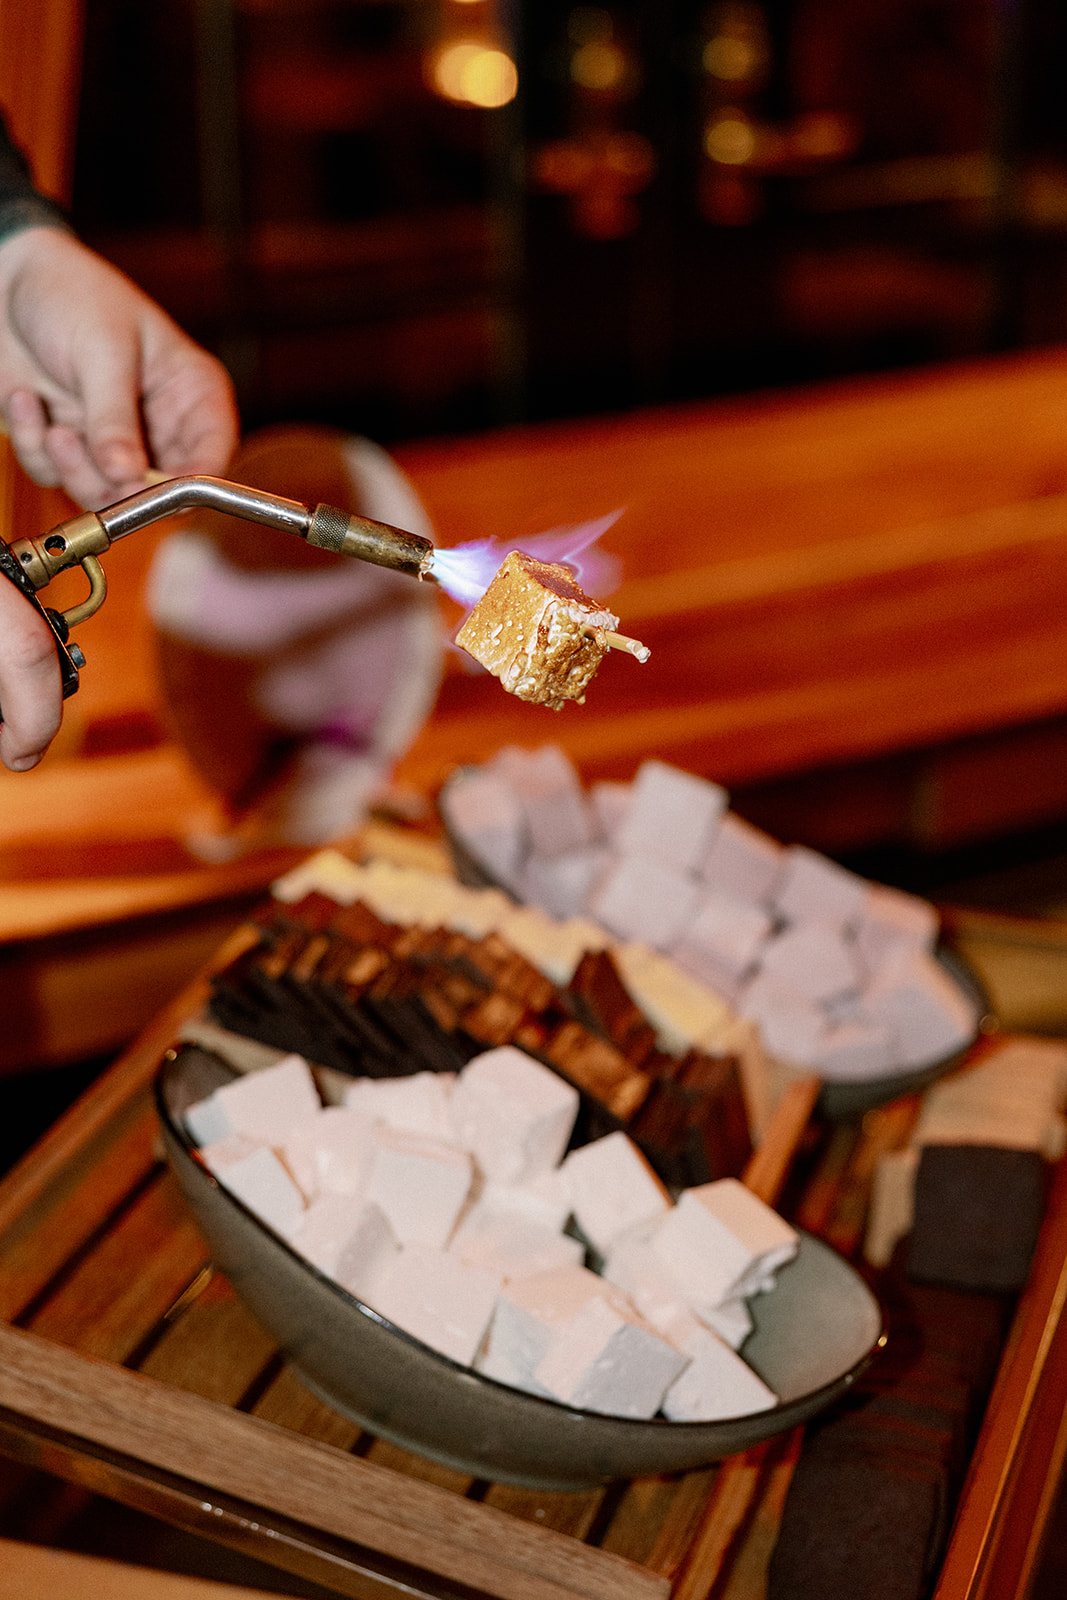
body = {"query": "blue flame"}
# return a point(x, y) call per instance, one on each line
point(466, 571)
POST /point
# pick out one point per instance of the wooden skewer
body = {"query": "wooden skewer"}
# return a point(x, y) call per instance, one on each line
point(621, 641)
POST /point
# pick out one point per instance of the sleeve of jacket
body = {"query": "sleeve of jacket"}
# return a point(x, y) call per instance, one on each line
point(21, 204)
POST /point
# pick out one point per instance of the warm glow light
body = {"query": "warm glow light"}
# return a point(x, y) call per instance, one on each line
point(730, 57)
point(475, 74)
point(730, 140)
point(598, 65)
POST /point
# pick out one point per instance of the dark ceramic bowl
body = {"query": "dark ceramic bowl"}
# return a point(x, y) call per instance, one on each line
point(814, 1333)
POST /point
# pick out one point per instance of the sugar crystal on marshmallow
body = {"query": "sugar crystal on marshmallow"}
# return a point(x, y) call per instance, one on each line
point(537, 630)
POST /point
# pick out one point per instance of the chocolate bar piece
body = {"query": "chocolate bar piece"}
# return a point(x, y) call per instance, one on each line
point(978, 1212)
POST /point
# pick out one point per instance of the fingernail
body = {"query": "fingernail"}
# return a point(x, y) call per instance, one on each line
point(123, 461)
point(23, 763)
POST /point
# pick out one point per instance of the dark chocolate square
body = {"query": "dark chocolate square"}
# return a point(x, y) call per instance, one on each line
point(978, 1211)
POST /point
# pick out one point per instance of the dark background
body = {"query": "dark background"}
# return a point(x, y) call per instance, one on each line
point(683, 200)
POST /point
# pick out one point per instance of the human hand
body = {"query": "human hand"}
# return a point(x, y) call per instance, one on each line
point(97, 383)
point(30, 689)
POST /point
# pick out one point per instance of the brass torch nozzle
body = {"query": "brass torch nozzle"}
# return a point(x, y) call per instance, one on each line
point(377, 542)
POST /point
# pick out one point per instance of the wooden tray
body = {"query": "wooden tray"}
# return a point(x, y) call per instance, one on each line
point(128, 1366)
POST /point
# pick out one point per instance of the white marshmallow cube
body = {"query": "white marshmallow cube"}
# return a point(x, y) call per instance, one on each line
point(791, 1026)
point(637, 1271)
point(891, 917)
point(486, 816)
point(613, 1189)
point(562, 884)
point(609, 1359)
point(420, 1102)
point(513, 1113)
point(350, 1242)
point(262, 1105)
point(639, 897)
point(529, 1311)
point(671, 817)
point(260, 1181)
point(512, 1246)
point(420, 1184)
point(544, 1199)
point(812, 888)
point(610, 803)
point(742, 861)
point(439, 1299)
point(732, 1321)
point(856, 1052)
point(550, 791)
point(813, 959)
point(330, 1151)
point(929, 1015)
point(721, 1242)
point(730, 932)
point(715, 1385)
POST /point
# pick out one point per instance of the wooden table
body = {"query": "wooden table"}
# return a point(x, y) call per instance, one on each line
point(128, 1366)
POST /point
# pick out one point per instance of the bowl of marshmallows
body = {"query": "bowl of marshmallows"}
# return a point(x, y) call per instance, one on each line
point(448, 1259)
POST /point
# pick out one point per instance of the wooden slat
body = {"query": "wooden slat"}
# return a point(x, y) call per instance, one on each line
point(311, 1483)
point(28, 1572)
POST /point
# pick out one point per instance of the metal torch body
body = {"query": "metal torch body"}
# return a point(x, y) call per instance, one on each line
point(31, 564)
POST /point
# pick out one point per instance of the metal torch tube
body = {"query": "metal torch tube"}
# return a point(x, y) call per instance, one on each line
point(216, 494)
point(326, 527)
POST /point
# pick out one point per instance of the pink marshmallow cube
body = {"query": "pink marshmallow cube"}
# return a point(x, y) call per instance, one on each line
point(813, 959)
point(672, 816)
point(742, 860)
point(812, 888)
point(731, 933)
point(643, 899)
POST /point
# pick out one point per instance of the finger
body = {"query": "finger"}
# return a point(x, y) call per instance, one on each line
point(30, 687)
point(26, 420)
point(191, 417)
point(78, 472)
point(111, 393)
